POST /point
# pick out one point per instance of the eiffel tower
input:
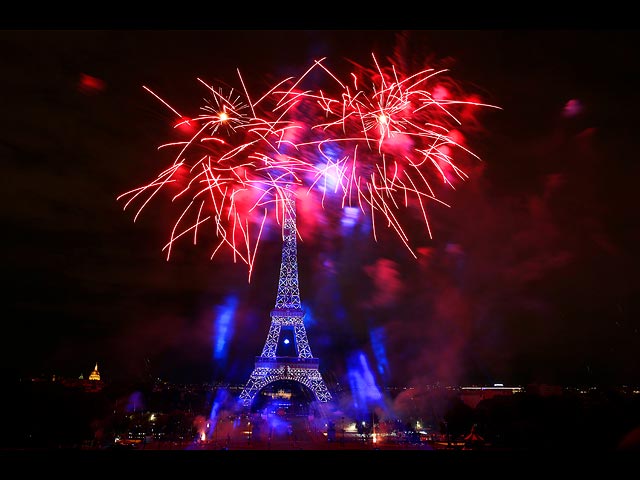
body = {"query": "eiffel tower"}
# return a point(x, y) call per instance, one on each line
point(287, 326)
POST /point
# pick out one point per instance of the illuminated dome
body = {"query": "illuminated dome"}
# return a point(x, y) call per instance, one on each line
point(95, 375)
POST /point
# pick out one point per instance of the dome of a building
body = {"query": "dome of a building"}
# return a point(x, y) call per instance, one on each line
point(95, 375)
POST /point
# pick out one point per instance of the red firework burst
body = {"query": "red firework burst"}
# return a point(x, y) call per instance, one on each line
point(385, 138)
point(230, 175)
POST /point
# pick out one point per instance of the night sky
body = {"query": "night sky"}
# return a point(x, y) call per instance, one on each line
point(531, 275)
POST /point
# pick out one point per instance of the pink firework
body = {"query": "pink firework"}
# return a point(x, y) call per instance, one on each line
point(380, 143)
point(230, 175)
point(385, 139)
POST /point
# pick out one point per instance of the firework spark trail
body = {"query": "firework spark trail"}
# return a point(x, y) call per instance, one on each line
point(385, 142)
point(236, 169)
point(385, 136)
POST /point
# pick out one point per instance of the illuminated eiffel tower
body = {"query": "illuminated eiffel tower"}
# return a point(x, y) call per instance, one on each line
point(287, 326)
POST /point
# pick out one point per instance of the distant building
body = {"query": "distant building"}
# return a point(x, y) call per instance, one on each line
point(93, 384)
point(471, 396)
point(95, 375)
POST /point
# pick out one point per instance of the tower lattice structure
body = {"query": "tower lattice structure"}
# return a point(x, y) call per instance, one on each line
point(280, 360)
